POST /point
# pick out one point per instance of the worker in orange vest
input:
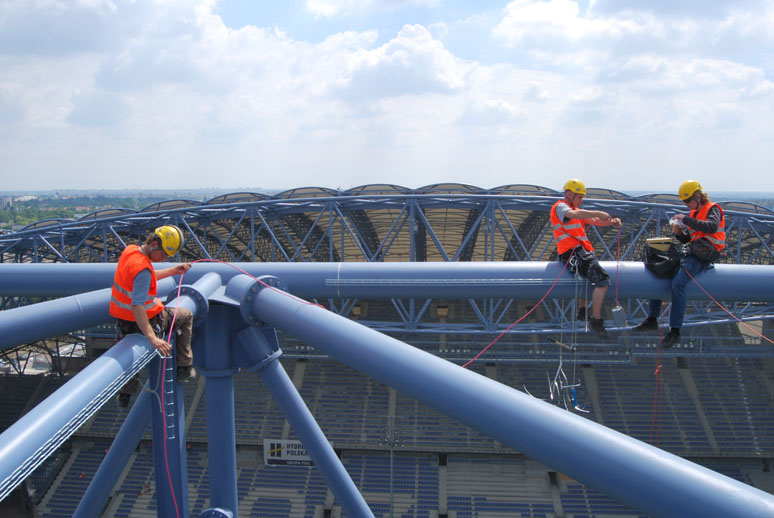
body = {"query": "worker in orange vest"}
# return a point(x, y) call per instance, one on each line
point(568, 221)
point(705, 229)
point(136, 308)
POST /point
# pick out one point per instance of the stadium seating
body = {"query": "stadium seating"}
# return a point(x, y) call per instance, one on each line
point(479, 479)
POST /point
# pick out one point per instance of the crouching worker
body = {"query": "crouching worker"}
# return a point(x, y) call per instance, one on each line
point(705, 229)
point(137, 309)
point(568, 221)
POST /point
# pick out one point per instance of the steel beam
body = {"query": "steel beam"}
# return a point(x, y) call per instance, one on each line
point(27, 324)
point(649, 479)
point(304, 425)
point(453, 280)
point(31, 439)
point(121, 450)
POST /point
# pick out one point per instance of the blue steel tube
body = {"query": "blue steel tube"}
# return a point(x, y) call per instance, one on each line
point(308, 431)
point(124, 444)
point(28, 442)
point(55, 317)
point(168, 420)
point(221, 442)
point(649, 479)
point(168, 432)
point(520, 280)
point(217, 365)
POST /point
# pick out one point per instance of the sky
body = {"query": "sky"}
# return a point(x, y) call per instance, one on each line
point(631, 95)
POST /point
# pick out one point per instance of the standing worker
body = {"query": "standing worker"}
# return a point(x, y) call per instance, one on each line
point(137, 309)
point(572, 244)
point(705, 229)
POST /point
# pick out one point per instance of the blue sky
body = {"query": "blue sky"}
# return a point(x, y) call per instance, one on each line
point(237, 94)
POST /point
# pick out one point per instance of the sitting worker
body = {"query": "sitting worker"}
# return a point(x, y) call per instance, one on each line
point(705, 229)
point(572, 244)
point(137, 309)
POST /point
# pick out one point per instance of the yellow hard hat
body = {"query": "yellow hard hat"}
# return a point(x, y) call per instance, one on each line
point(575, 186)
point(171, 239)
point(688, 188)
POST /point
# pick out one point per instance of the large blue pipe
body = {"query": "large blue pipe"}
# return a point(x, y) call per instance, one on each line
point(126, 441)
point(55, 317)
point(38, 433)
point(647, 478)
point(520, 280)
point(308, 431)
point(218, 366)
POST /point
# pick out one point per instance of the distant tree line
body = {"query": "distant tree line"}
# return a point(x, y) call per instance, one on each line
point(22, 213)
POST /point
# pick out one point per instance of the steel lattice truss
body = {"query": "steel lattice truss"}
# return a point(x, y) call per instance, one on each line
point(448, 222)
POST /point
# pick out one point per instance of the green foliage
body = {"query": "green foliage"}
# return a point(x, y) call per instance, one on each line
point(23, 213)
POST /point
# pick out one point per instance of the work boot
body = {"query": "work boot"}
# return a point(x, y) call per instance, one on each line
point(597, 325)
point(649, 324)
point(186, 374)
point(671, 338)
point(581, 314)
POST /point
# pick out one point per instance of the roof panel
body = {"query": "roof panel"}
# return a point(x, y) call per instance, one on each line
point(237, 197)
point(307, 192)
point(169, 204)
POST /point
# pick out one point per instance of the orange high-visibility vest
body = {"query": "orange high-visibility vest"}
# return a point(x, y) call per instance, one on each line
point(570, 234)
point(718, 239)
point(132, 262)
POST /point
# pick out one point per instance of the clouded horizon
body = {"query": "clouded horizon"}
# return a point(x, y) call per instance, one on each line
point(340, 93)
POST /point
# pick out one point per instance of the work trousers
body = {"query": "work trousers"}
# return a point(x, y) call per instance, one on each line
point(161, 324)
point(690, 264)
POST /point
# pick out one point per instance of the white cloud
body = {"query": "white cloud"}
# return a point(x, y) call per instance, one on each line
point(666, 76)
point(99, 110)
point(63, 28)
point(671, 8)
point(331, 8)
point(11, 109)
point(490, 112)
point(536, 92)
point(413, 63)
point(558, 22)
point(169, 85)
point(589, 106)
point(687, 115)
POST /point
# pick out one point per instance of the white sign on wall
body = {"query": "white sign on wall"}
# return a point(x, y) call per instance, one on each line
point(277, 452)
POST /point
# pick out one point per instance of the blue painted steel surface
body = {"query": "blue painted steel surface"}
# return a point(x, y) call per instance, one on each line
point(647, 478)
point(31, 439)
point(519, 280)
point(305, 426)
point(109, 471)
point(169, 453)
point(215, 357)
point(27, 443)
point(221, 443)
point(168, 432)
point(55, 317)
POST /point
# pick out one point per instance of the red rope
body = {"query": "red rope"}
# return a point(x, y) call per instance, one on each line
point(655, 423)
point(721, 306)
point(617, 262)
point(476, 357)
point(164, 363)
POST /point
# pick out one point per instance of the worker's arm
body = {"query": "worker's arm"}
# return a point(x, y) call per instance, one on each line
point(138, 310)
point(598, 218)
point(708, 226)
point(175, 270)
point(140, 287)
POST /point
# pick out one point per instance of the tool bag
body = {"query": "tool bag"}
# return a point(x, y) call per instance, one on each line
point(662, 256)
point(704, 250)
